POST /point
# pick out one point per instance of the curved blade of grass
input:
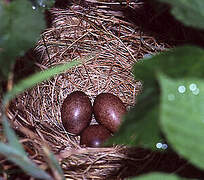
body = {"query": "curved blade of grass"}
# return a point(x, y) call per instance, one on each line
point(14, 152)
point(39, 77)
point(11, 137)
point(19, 156)
point(54, 164)
point(23, 161)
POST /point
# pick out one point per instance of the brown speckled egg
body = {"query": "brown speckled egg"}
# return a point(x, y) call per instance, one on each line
point(108, 110)
point(76, 112)
point(94, 136)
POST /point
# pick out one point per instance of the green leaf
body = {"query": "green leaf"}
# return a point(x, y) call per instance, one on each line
point(140, 126)
point(29, 167)
point(11, 136)
point(37, 78)
point(20, 28)
point(182, 116)
point(157, 176)
point(186, 61)
point(189, 12)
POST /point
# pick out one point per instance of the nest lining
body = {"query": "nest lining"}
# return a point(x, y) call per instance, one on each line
point(76, 33)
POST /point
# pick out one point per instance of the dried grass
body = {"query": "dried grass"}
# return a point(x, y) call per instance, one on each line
point(78, 32)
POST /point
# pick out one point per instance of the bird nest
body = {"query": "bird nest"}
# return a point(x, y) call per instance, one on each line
point(114, 46)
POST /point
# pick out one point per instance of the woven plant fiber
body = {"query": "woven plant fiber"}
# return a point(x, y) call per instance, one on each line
point(108, 46)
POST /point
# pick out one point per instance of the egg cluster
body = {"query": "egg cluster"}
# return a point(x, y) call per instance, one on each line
point(76, 115)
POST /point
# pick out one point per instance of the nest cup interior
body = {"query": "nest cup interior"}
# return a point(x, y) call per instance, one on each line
point(114, 45)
